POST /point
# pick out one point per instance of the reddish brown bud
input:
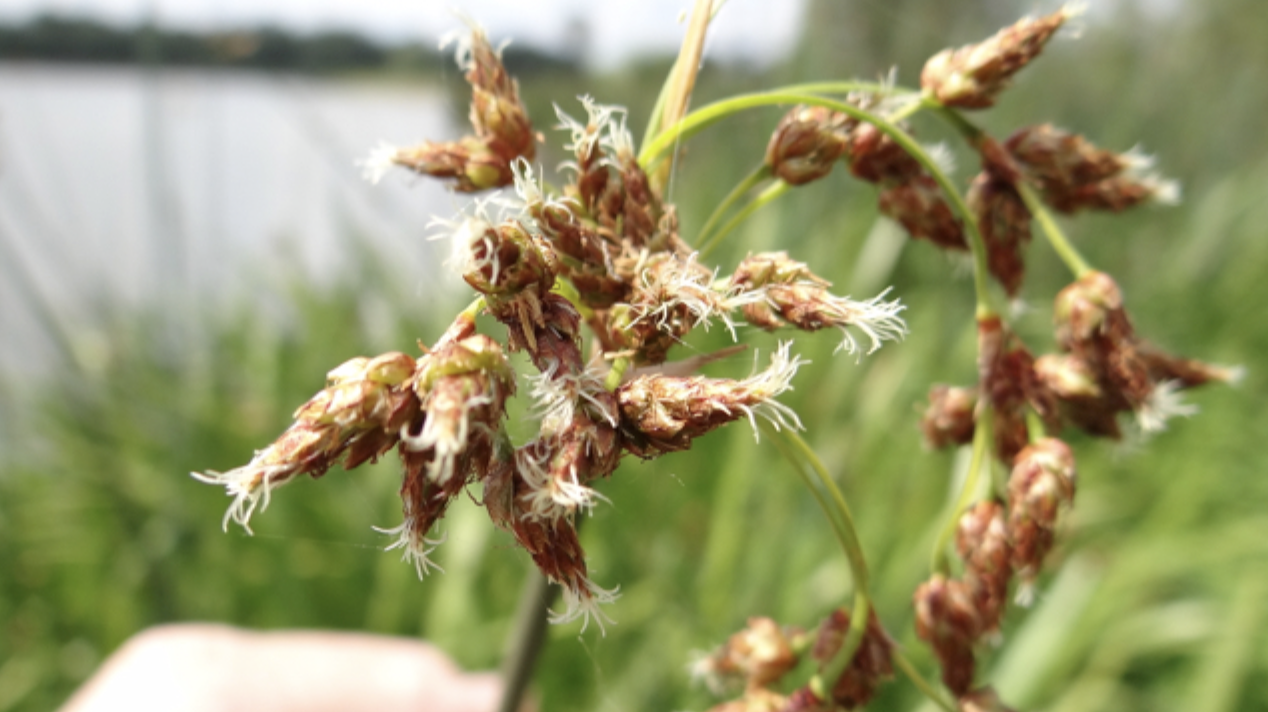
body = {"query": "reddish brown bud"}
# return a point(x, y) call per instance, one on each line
point(871, 665)
point(919, 206)
point(806, 144)
point(1042, 481)
point(759, 655)
point(948, 619)
point(949, 419)
point(1009, 384)
point(982, 541)
point(1074, 174)
point(506, 259)
point(1004, 222)
point(1077, 388)
point(661, 414)
point(971, 76)
point(877, 158)
point(767, 268)
point(356, 418)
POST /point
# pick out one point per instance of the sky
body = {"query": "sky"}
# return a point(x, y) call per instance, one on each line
point(757, 30)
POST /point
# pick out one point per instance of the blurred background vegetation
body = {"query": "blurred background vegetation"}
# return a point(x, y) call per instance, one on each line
point(1157, 595)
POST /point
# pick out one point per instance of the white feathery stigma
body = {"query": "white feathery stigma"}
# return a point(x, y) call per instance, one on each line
point(768, 384)
point(878, 319)
point(584, 604)
point(381, 160)
point(1164, 402)
point(250, 486)
point(415, 547)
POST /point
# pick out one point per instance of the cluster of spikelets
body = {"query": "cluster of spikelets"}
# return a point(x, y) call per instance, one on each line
point(1103, 369)
point(609, 242)
point(635, 285)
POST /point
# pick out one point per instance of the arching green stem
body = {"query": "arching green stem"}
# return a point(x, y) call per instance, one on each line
point(757, 175)
point(772, 192)
point(982, 435)
point(832, 501)
point(708, 115)
point(1062, 246)
point(921, 683)
point(619, 367)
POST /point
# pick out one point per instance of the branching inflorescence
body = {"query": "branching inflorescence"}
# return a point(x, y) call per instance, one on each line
point(604, 256)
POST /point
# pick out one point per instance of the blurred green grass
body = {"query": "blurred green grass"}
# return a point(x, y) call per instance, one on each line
point(1156, 596)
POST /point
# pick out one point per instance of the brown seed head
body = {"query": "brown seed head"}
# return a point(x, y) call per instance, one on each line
point(661, 414)
point(1004, 222)
point(972, 76)
point(877, 158)
point(983, 543)
point(506, 259)
point(949, 419)
point(807, 143)
point(948, 619)
point(355, 418)
point(1074, 174)
point(1042, 481)
point(759, 655)
point(871, 665)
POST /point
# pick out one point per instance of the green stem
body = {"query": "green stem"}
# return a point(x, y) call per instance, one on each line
point(968, 492)
point(807, 463)
point(757, 175)
point(1035, 430)
point(712, 113)
point(617, 372)
point(656, 142)
point(845, 537)
point(772, 192)
point(526, 641)
point(1062, 246)
point(920, 682)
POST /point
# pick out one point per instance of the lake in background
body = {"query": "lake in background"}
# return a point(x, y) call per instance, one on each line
point(171, 188)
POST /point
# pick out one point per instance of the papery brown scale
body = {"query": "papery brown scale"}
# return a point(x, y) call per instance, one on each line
point(553, 546)
point(1113, 194)
point(640, 209)
point(917, 204)
point(424, 501)
point(766, 268)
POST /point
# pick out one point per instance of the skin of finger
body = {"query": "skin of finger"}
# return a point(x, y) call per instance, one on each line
point(213, 668)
